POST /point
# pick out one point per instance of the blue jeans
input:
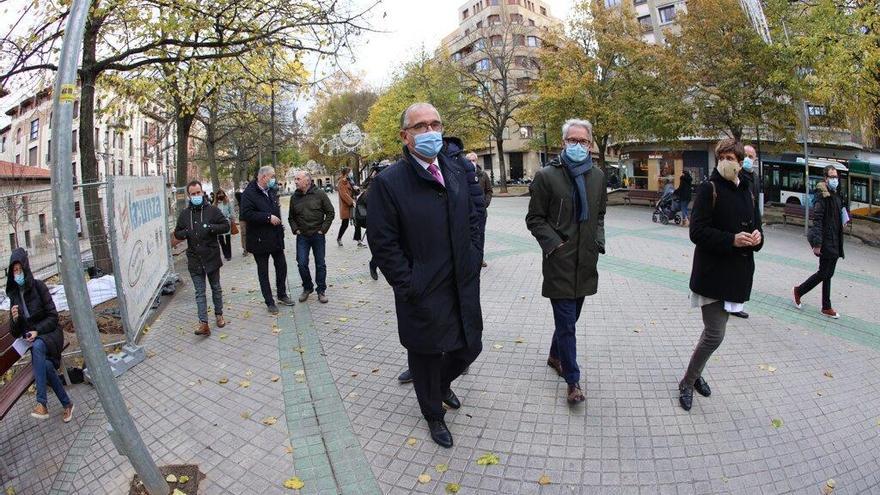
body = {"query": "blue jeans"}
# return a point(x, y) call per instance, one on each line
point(43, 371)
point(317, 243)
point(684, 209)
point(564, 347)
point(201, 293)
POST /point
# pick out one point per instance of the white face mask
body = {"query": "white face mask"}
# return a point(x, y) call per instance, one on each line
point(728, 169)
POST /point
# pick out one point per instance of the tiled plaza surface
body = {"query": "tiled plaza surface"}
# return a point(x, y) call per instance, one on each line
point(343, 421)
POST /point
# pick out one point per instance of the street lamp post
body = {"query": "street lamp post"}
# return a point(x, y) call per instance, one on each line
point(122, 429)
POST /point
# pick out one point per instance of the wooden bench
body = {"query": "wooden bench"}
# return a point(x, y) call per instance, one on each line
point(792, 210)
point(642, 195)
point(11, 391)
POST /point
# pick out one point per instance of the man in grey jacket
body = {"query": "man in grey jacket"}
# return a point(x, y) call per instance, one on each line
point(567, 217)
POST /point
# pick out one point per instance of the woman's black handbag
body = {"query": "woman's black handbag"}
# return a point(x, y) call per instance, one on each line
point(360, 214)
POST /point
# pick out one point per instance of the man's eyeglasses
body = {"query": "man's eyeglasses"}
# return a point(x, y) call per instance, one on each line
point(586, 143)
point(424, 126)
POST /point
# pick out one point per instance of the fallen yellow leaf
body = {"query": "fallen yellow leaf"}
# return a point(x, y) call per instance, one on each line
point(411, 441)
point(828, 374)
point(183, 479)
point(171, 478)
point(248, 373)
point(544, 480)
point(452, 487)
point(269, 420)
point(424, 478)
point(275, 378)
point(223, 381)
point(294, 483)
point(178, 491)
point(498, 346)
point(487, 459)
point(223, 336)
point(520, 340)
point(246, 415)
point(441, 468)
point(343, 320)
point(288, 450)
point(244, 384)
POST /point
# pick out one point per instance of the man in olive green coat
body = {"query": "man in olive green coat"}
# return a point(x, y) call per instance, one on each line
point(567, 217)
point(310, 217)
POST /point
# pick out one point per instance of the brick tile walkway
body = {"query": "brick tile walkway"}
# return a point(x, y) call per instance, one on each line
point(339, 406)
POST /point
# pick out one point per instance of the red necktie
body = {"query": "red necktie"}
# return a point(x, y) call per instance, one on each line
point(436, 173)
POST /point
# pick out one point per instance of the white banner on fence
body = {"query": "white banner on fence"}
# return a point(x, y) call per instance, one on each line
point(139, 238)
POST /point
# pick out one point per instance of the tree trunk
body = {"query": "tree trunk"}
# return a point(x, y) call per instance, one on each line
point(184, 124)
point(502, 169)
point(211, 147)
point(92, 201)
point(602, 145)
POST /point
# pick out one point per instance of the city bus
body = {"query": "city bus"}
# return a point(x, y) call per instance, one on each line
point(784, 180)
point(864, 188)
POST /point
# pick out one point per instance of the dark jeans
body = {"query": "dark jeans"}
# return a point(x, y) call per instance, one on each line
point(317, 243)
point(566, 313)
point(280, 275)
point(198, 279)
point(225, 241)
point(826, 271)
point(357, 232)
point(43, 372)
point(342, 229)
point(434, 373)
point(714, 324)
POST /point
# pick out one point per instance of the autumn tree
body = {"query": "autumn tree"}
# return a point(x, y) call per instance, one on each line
point(734, 80)
point(836, 44)
point(333, 108)
point(126, 36)
point(432, 78)
point(604, 72)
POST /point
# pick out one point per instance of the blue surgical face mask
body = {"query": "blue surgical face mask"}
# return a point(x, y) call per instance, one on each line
point(197, 200)
point(428, 144)
point(748, 164)
point(575, 152)
point(833, 183)
point(19, 279)
point(271, 183)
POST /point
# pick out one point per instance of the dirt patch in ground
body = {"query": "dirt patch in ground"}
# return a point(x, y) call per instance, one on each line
point(188, 472)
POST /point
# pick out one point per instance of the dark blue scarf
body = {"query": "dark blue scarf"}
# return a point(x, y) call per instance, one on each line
point(578, 172)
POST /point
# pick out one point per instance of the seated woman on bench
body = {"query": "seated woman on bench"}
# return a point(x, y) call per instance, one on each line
point(35, 319)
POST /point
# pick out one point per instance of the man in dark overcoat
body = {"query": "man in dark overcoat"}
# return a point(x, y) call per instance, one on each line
point(425, 237)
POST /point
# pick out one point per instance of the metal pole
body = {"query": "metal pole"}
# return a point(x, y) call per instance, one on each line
point(806, 138)
point(760, 169)
point(123, 430)
point(272, 110)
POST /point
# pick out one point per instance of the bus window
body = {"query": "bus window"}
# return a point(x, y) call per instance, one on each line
point(876, 194)
point(859, 189)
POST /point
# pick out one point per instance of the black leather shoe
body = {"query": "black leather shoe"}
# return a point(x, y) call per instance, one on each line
point(702, 387)
point(741, 314)
point(273, 310)
point(451, 400)
point(286, 301)
point(405, 377)
point(440, 433)
point(373, 273)
point(686, 398)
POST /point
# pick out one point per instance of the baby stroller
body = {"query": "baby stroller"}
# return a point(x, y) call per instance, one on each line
point(668, 208)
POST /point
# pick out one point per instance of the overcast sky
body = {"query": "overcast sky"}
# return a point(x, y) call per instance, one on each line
point(409, 25)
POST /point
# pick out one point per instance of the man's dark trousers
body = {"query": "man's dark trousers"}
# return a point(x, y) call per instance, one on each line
point(566, 313)
point(317, 243)
point(823, 276)
point(434, 373)
point(280, 275)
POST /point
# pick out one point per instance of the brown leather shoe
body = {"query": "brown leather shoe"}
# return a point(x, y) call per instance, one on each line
point(556, 364)
point(68, 414)
point(575, 394)
point(221, 322)
point(40, 412)
point(204, 329)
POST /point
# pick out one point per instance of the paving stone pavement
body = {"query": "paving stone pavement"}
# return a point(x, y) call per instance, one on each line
point(338, 404)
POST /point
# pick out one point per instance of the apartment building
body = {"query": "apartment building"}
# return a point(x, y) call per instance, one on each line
point(129, 139)
point(484, 25)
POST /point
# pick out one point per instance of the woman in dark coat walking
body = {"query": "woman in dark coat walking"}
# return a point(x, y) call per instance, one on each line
point(726, 229)
point(685, 186)
point(35, 319)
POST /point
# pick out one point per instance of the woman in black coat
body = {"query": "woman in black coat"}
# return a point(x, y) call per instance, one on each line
point(726, 229)
point(35, 319)
point(685, 186)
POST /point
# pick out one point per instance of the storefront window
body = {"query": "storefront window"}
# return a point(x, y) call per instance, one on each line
point(640, 174)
